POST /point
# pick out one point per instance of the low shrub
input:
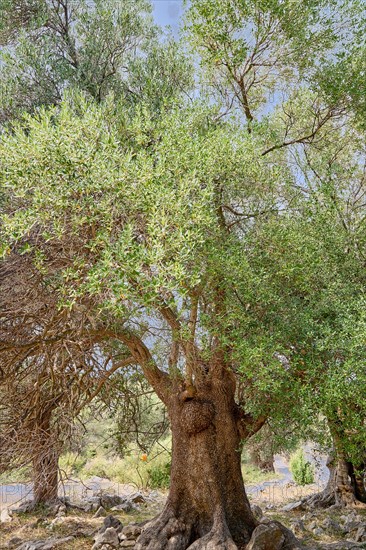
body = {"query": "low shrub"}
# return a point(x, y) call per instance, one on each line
point(302, 470)
point(72, 463)
point(159, 476)
point(97, 466)
point(142, 470)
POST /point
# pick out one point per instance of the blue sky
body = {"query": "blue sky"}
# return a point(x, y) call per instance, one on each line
point(168, 12)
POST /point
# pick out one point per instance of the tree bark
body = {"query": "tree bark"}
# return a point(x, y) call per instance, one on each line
point(45, 477)
point(263, 464)
point(345, 486)
point(45, 464)
point(357, 474)
point(207, 507)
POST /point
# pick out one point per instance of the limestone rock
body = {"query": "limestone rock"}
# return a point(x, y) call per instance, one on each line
point(109, 501)
point(266, 537)
point(109, 537)
point(14, 542)
point(360, 535)
point(298, 527)
point(351, 522)
point(48, 544)
point(59, 520)
point(5, 516)
point(111, 521)
point(131, 531)
point(137, 498)
point(257, 511)
point(55, 543)
point(293, 506)
point(265, 519)
point(330, 525)
point(24, 508)
point(91, 504)
point(343, 545)
point(61, 510)
point(124, 507)
point(100, 513)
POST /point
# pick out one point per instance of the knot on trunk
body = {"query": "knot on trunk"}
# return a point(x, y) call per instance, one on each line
point(196, 416)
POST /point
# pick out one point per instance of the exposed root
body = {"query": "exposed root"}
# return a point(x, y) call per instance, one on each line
point(325, 499)
point(358, 505)
point(166, 532)
point(216, 539)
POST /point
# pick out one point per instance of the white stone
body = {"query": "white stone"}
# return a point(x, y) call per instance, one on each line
point(5, 516)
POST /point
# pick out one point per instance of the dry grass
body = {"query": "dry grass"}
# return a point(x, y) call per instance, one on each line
point(81, 525)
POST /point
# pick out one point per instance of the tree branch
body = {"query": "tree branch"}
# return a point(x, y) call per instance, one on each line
point(157, 378)
point(248, 425)
point(119, 365)
point(303, 139)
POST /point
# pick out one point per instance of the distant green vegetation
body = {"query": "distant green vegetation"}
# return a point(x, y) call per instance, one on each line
point(302, 470)
point(153, 473)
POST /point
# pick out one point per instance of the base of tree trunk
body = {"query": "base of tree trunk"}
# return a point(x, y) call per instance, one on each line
point(169, 531)
point(207, 507)
point(45, 477)
point(341, 490)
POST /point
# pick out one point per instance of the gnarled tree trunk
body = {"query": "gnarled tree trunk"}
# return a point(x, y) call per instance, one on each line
point(345, 486)
point(260, 451)
point(45, 463)
point(357, 474)
point(207, 506)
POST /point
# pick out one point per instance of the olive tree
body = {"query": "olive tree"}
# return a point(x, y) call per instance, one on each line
point(135, 212)
point(148, 222)
point(48, 48)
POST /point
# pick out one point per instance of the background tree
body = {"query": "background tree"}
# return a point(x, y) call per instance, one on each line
point(98, 47)
point(313, 260)
point(49, 47)
point(50, 370)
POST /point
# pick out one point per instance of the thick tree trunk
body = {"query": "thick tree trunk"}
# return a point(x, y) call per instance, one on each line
point(45, 477)
point(266, 464)
point(260, 450)
point(207, 507)
point(45, 464)
point(344, 488)
point(357, 474)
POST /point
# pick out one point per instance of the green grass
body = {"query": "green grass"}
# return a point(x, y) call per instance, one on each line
point(19, 475)
point(130, 469)
point(253, 475)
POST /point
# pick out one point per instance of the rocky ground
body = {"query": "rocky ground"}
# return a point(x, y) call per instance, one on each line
point(106, 522)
